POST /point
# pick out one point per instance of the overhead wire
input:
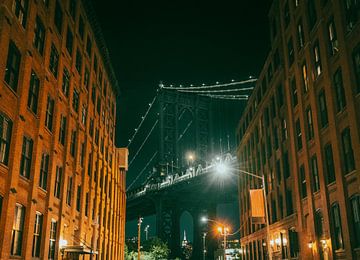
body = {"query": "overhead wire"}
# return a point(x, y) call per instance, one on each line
point(210, 86)
point(143, 119)
point(141, 146)
point(142, 171)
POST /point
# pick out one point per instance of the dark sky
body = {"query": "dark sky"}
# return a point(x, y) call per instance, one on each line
point(179, 42)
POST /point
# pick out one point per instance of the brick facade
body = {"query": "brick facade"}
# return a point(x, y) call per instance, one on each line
point(78, 186)
point(301, 130)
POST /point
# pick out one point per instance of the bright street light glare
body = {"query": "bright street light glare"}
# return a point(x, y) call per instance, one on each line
point(221, 168)
point(204, 219)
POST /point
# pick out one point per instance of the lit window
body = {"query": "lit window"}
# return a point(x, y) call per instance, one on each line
point(333, 42)
point(305, 78)
point(5, 138)
point(37, 235)
point(317, 59)
point(52, 240)
point(17, 230)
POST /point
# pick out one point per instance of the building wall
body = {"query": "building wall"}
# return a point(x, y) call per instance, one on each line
point(95, 217)
point(269, 142)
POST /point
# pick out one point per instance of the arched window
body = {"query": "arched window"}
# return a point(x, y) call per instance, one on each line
point(336, 233)
point(355, 210)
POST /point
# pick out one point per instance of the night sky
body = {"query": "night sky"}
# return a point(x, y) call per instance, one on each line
point(179, 42)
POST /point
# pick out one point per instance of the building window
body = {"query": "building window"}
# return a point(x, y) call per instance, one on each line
point(72, 8)
point(300, 35)
point(37, 235)
point(66, 82)
point(54, 60)
point(84, 114)
point(333, 41)
point(26, 154)
point(20, 8)
point(78, 198)
point(73, 143)
point(90, 163)
point(44, 171)
point(88, 46)
point(286, 165)
point(69, 190)
point(291, 55)
point(1, 202)
point(78, 62)
point(58, 18)
point(82, 154)
point(81, 27)
point(323, 109)
point(310, 124)
point(294, 92)
point(355, 210)
point(69, 41)
point(86, 78)
point(17, 230)
point(347, 151)
point(356, 61)
point(91, 127)
point(312, 13)
point(12, 66)
point(95, 65)
point(276, 64)
point(49, 113)
point(5, 138)
point(337, 236)
point(298, 135)
point(329, 164)
point(280, 95)
point(352, 13)
point(317, 59)
point(286, 14)
point(58, 180)
point(39, 35)
point(93, 94)
point(62, 132)
point(339, 91)
point(305, 78)
point(284, 130)
point(33, 92)
point(315, 174)
point(303, 182)
point(75, 100)
point(87, 204)
point(98, 108)
point(319, 224)
point(52, 240)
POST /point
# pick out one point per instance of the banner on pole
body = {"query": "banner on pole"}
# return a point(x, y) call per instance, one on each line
point(257, 206)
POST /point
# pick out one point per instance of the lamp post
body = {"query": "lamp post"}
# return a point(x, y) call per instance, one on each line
point(146, 229)
point(223, 230)
point(221, 168)
point(204, 246)
point(139, 233)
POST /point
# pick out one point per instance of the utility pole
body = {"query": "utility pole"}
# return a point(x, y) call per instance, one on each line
point(139, 238)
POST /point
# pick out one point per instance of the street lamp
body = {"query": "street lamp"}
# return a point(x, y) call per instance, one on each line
point(222, 229)
point(204, 245)
point(222, 168)
point(146, 229)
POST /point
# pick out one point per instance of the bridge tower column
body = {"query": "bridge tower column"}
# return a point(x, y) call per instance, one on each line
point(168, 224)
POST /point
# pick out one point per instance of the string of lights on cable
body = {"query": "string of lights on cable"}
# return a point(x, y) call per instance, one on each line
point(136, 130)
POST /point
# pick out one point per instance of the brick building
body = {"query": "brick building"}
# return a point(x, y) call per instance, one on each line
point(301, 130)
point(62, 180)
